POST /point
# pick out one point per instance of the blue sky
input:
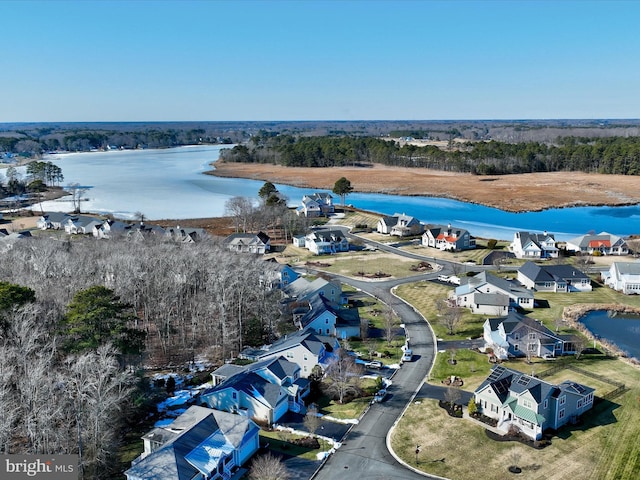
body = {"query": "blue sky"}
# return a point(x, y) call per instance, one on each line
point(175, 60)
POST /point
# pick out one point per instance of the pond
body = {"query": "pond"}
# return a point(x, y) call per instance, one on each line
point(171, 184)
point(620, 329)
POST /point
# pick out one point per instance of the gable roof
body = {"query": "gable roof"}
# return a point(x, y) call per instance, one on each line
point(483, 278)
point(602, 239)
point(551, 273)
point(194, 442)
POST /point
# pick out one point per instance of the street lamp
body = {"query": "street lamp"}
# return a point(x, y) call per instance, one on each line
point(417, 452)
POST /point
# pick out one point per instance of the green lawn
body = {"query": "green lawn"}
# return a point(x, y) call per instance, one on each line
point(604, 447)
point(423, 296)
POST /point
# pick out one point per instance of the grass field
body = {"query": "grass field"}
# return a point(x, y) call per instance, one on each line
point(603, 447)
point(424, 295)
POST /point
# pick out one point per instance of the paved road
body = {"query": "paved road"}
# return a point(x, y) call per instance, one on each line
point(364, 453)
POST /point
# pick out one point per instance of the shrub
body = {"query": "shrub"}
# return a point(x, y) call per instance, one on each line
point(491, 244)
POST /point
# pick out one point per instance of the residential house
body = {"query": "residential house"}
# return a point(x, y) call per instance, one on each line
point(257, 243)
point(199, 444)
point(141, 231)
point(517, 335)
point(601, 244)
point(52, 220)
point(186, 235)
point(623, 277)
point(326, 242)
point(110, 229)
point(263, 391)
point(301, 290)
point(304, 348)
point(553, 278)
point(316, 205)
point(400, 225)
point(448, 238)
point(534, 245)
point(7, 239)
point(484, 293)
point(328, 318)
point(80, 224)
point(531, 405)
point(281, 275)
point(298, 241)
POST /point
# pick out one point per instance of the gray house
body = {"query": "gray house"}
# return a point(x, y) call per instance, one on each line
point(201, 443)
point(446, 237)
point(517, 400)
point(517, 335)
point(553, 278)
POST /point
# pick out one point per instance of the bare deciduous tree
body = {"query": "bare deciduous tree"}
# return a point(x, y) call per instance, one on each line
point(268, 467)
point(451, 318)
point(343, 376)
point(391, 322)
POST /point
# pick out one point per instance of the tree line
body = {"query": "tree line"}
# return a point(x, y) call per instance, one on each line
point(610, 155)
point(33, 143)
point(77, 316)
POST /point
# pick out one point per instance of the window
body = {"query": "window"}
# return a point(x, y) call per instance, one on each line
point(532, 347)
point(305, 357)
point(326, 320)
point(563, 399)
point(561, 414)
point(527, 404)
point(289, 354)
point(327, 331)
point(516, 347)
point(532, 336)
point(516, 336)
point(235, 395)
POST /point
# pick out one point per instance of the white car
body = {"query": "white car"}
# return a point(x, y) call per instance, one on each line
point(373, 364)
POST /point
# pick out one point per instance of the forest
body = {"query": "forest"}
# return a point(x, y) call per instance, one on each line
point(79, 317)
point(608, 155)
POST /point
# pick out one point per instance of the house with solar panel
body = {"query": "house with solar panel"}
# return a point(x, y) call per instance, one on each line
point(201, 443)
point(601, 244)
point(531, 405)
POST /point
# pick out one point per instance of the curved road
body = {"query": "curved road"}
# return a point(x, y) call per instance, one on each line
point(364, 453)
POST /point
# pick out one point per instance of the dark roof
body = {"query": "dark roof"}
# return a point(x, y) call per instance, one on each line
point(550, 273)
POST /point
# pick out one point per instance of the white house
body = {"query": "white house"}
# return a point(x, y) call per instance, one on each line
point(534, 245)
point(623, 277)
point(553, 278)
point(601, 244)
point(446, 237)
point(257, 243)
point(485, 293)
point(400, 225)
point(199, 444)
point(531, 405)
point(315, 205)
point(326, 242)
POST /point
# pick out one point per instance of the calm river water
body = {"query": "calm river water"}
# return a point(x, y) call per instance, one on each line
point(171, 184)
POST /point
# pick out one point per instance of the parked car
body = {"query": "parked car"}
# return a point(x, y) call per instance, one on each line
point(407, 355)
point(373, 364)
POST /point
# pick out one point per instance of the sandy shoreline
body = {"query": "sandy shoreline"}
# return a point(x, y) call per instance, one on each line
point(513, 193)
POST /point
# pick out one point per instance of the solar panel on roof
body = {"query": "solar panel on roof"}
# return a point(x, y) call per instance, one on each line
point(496, 373)
point(524, 380)
point(579, 388)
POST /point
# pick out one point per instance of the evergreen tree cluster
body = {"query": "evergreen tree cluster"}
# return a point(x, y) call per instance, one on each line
point(609, 155)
